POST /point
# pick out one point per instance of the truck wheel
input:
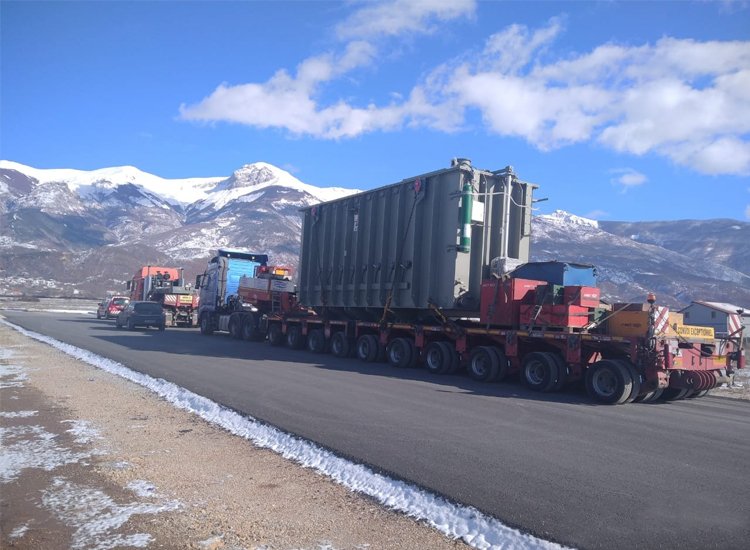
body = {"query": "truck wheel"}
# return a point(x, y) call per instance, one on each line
point(294, 337)
point(454, 363)
point(316, 341)
point(502, 363)
point(674, 394)
point(635, 377)
point(562, 372)
point(609, 382)
point(539, 371)
point(250, 330)
point(341, 345)
point(206, 326)
point(484, 364)
point(368, 348)
point(401, 353)
point(162, 327)
point(437, 358)
point(275, 336)
point(235, 326)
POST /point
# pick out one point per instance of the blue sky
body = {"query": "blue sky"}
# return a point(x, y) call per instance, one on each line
point(618, 110)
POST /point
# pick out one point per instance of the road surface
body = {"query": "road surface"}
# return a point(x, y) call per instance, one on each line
point(660, 475)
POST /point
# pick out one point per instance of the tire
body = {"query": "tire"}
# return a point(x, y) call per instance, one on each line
point(648, 397)
point(562, 372)
point(502, 363)
point(294, 337)
point(250, 330)
point(162, 327)
point(117, 323)
point(368, 348)
point(455, 361)
point(699, 393)
point(609, 382)
point(131, 325)
point(635, 377)
point(539, 371)
point(235, 326)
point(316, 341)
point(484, 364)
point(401, 353)
point(206, 327)
point(437, 358)
point(98, 315)
point(674, 394)
point(275, 335)
point(341, 346)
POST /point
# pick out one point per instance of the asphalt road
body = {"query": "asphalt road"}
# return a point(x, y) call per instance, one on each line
point(663, 475)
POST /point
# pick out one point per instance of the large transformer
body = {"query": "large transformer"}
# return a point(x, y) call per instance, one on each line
point(420, 245)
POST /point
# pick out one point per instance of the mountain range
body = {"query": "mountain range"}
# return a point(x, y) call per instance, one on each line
point(72, 232)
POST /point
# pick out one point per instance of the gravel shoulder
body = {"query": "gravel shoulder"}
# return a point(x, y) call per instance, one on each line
point(93, 461)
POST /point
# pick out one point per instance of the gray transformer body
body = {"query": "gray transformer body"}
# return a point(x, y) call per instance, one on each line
point(424, 243)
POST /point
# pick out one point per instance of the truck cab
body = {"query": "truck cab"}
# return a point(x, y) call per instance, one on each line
point(219, 284)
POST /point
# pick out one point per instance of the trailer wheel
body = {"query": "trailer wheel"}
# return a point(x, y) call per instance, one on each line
point(294, 337)
point(484, 364)
point(539, 371)
point(250, 330)
point(437, 358)
point(674, 394)
point(341, 345)
point(206, 327)
point(316, 341)
point(609, 382)
point(650, 396)
point(635, 376)
point(275, 336)
point(699, 393)
point(502, 363)
point(562, 372)
point(454, 362)
point(401, 353)
point(368, 348)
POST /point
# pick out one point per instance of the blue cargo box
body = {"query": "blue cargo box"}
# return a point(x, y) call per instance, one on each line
point(557, 273)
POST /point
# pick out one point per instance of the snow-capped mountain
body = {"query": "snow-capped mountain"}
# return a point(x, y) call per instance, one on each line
point(66, 231)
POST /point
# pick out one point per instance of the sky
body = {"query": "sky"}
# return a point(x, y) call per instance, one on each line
point(617, 110)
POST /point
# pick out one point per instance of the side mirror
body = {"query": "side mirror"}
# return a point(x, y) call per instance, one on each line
point(129, 285)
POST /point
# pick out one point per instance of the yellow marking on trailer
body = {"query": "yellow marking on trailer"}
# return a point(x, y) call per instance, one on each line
point(690, 331)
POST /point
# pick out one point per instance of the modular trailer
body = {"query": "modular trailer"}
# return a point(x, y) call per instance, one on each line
point(549, 330)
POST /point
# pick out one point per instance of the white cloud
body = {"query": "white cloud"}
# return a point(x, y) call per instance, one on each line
point(681, 99)
point(397, 17)
point(627, 178)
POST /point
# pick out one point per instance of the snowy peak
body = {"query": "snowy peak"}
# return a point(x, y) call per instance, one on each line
point(566, 219)
point(255, 174)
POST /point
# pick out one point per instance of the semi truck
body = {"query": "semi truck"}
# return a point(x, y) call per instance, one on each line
point(435, 270)
point(166, 285)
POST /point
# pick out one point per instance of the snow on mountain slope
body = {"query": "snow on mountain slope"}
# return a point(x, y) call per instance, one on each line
point(246, 183)
point(86, 182)
point(203, 192)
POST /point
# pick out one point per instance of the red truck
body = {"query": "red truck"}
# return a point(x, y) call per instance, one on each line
point(166, 286)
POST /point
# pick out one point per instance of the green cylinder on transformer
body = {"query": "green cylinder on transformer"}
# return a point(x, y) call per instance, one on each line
point(467, 200)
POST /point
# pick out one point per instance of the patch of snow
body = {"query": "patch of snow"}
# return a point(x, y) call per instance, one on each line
point(32, 447)
point(94, 515)
point(456, 521)
point(19, 531)
point(82, 431)
point(12, 376)
point(18, 414)
point(143, 489)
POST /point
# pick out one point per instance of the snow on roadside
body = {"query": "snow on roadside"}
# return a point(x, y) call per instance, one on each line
point(456, 521)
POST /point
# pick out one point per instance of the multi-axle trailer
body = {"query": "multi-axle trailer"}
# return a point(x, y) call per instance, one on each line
point(434, 270)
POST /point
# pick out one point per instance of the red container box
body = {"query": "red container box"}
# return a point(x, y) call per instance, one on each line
point(559, 316)
point(501, 300)
point(585, 296)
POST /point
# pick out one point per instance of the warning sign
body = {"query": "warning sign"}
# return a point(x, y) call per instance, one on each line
point(689, 331)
